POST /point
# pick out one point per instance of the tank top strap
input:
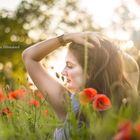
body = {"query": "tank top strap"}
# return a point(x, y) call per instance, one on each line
point(75, 103)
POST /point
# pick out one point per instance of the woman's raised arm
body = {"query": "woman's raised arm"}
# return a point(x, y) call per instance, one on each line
point(51, 89)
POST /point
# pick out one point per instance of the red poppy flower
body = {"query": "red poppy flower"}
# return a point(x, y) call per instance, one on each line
point(38, 94)
point(137, 130)
point(2, 97)
point(34, 103)
point(125, 131)
point(87, 95)
point(17, 94)
point(30, 84)
point(90, 93)
point(101, 102)
point(45, 113)
point(6, 111)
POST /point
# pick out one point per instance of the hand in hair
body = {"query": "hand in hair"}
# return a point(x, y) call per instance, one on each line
point(90, 39)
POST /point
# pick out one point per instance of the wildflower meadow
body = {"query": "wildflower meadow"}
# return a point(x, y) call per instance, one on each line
point(25, 114)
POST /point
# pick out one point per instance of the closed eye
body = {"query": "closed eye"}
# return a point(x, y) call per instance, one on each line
point(69, 65)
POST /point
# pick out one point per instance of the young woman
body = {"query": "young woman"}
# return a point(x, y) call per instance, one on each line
point(92, 61)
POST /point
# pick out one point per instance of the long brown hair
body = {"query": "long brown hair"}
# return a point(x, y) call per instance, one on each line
point(105, 70)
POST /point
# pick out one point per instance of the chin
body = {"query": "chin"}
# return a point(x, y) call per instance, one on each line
point(73, 89)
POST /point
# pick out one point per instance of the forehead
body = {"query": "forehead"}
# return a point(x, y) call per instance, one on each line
point(71, 57)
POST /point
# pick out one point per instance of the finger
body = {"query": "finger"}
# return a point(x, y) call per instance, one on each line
point(89, 45)
point(94, 40)
point(100, 36)
point(84, 42)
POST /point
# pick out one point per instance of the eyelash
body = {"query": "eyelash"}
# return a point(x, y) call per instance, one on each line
point(70, 67)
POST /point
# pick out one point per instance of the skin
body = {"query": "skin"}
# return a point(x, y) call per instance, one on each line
point(52, 90)
point(73, 73)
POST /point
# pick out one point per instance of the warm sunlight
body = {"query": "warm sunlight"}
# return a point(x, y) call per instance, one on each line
point(69, 65)
point(101, 11)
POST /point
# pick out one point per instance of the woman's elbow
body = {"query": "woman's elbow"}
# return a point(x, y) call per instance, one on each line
point(25, 55)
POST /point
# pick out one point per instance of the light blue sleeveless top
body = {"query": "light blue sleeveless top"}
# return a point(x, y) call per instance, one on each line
point(75, 103)
point(63, 132)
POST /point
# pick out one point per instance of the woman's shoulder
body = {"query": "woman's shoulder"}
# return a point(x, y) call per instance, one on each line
point(131, 69)
point(130, 62)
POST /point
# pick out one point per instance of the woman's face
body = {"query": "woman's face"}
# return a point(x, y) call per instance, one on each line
point(73, 73)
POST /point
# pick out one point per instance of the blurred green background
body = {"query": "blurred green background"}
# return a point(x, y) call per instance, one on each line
point(36, 20)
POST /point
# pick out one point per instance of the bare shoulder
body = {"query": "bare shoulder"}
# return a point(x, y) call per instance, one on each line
point(130, 62)
point(131, 68)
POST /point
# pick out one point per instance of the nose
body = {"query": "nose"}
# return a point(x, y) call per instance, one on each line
point(64, 72)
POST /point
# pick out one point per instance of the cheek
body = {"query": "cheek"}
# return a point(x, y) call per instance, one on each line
point(79, 78)
point(76, 76)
